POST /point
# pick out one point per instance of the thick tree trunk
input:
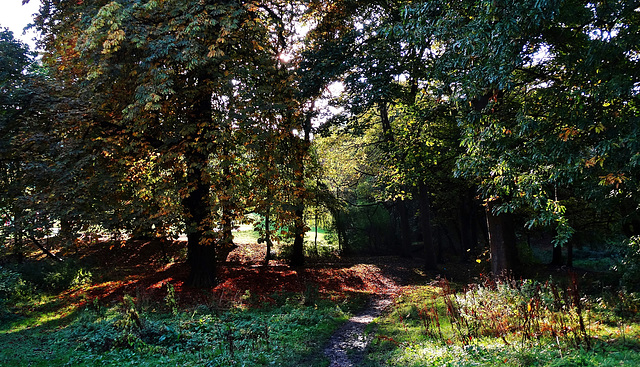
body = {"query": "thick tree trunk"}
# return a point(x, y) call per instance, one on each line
point(405, 229)
point(556, 259)
point(202, 259)
point(502, 240)
point(430, 262)
point(201, 246)
point(201, 252)
point(297, 255)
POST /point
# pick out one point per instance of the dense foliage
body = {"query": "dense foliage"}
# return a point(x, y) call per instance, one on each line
point(475, 136)
point(456, 127)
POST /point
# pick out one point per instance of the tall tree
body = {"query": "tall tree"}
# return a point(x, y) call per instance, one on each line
point(550, 90)
point(387, 71)
point(171, 79)
point(14, 63)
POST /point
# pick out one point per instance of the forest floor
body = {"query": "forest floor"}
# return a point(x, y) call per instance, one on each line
point(245, 279)
point(145, 268)
point(101, 275)
point(355, 311)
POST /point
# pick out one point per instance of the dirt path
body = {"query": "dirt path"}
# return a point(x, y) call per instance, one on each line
point(347, 346)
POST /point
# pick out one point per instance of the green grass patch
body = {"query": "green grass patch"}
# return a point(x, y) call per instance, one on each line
point(289, 334)
point(246, 234)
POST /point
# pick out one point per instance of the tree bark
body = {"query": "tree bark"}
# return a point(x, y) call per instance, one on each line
point(468, 226)
point(267, 229)
point(226, 245)
point(297, 255)
point(202, 259)
point(44, 249)
point(430, 262)
point(556, 259)
point(502, 239)
point(384, 120)
point(405, 229)
point(201, 252)
point(201, 246)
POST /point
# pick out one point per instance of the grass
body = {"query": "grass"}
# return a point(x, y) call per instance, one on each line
point(246, 234)
point(116, 304)
point(510, 323)
point(102, 310)
point(286, 334)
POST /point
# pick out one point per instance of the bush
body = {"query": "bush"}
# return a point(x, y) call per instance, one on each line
point(12, 289)
point(55, 277)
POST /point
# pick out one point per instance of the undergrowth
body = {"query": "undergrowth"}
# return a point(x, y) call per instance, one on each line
point(287, 334)
point(507, 322)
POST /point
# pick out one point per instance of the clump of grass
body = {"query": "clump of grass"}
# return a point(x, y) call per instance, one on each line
point(518, 310)
point(497, 321)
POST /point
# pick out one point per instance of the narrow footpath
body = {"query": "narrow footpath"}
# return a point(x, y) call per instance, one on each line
point(348, 345)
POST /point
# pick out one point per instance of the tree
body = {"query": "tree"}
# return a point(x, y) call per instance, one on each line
point(550, 90)
point(172, 80)
point(15, 60)
point(388, 73)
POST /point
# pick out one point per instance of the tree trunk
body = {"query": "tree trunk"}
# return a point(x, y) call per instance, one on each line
point(267, 229)
point(67, 231)
point(502, 240)
point(556, 259)
point(425, 222)
point(384, 120)
point(468, 226)
point(226, 245)
point(201, 246)
point(340, 228)
point(44, 249)
point(341, 233)
point(202, 259)
point(316, 215)
point(297, 255)
point(201, 252)
point(405, 229)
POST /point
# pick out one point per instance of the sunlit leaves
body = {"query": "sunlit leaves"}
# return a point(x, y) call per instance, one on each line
point(568, 106)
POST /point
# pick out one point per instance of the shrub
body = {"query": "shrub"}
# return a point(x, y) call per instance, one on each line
point(55, 277)
point(12, 289)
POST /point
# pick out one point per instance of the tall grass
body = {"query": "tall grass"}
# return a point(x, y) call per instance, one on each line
point(518, 322)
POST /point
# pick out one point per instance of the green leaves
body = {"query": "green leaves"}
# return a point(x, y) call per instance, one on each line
point(563, 131)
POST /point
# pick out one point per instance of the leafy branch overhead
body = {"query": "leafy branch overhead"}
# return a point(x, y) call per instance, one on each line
point(162, 118)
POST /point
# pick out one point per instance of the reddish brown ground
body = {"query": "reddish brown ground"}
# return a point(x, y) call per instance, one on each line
point(142, 269)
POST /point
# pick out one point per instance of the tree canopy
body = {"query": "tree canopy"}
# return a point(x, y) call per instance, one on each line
point(161, 117)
